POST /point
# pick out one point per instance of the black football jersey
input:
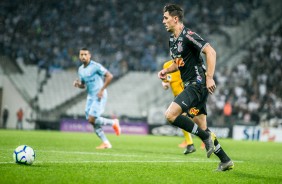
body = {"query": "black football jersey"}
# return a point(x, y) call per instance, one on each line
point(186, 53)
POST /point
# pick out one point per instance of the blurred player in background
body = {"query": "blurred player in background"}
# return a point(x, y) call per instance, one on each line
point(186, 47)
point(96, 78)
point(20, 115)
point(5, 116)
point(173, 81)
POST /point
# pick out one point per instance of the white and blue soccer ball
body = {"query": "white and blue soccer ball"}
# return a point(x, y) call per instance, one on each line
point(24, 155)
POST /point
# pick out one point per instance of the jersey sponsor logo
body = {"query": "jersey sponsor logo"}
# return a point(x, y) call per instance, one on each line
point(194, 111)
point(179, 62)
point(179, 47)
point(89, 81)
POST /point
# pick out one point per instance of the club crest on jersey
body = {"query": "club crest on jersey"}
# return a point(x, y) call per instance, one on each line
point(194, 111)
point(168, 77)
point(179, 47)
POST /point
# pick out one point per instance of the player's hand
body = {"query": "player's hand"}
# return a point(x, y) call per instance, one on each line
point(100, 94)
point(162, 74)
point(76, 83)
point(165, 85)
point(210, 85)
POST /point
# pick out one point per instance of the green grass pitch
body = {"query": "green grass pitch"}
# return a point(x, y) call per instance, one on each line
point(63, 157)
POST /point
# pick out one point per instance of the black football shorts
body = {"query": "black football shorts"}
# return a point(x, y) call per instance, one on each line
point(193, 99)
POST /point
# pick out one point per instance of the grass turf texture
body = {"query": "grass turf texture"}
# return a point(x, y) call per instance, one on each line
point(72, 158)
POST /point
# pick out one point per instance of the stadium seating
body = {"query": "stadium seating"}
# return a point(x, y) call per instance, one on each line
point(28, 82)
point(33, 28)
point(58, 90)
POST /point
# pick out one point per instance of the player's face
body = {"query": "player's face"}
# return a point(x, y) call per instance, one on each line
point(84, 56)
point(169, 22)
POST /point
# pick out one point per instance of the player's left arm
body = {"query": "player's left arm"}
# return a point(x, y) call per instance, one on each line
point(173, 68)
point(107, 80)
point(211, 62)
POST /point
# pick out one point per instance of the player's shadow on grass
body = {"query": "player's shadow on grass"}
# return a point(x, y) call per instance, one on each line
point(256, 176)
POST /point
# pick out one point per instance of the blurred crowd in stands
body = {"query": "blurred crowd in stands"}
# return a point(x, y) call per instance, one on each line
point(252, 90)
point(123, 35)
point(128, 36)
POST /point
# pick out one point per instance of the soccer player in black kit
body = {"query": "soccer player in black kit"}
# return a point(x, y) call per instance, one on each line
point(186, 47)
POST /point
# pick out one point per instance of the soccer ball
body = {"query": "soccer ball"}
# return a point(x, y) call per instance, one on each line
point(24, 155)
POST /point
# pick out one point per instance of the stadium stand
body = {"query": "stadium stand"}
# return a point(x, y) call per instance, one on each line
point(259, 21)
point(27, 82)
point(30, 25)
point(253, 85)
point(58, 90)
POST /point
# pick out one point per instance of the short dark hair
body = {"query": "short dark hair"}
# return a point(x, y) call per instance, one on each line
point(84, 49)
point(174, 10)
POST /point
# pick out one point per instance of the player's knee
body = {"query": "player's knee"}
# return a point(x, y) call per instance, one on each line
point(91, 120)
point(169, 117)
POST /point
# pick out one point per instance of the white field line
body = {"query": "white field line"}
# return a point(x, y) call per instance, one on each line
point(171, 159)
point(124, 161)
point(100, 153)
point(149, 155)
point(163, 159)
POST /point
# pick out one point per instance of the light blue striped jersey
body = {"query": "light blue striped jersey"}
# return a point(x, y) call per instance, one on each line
point(93, 77)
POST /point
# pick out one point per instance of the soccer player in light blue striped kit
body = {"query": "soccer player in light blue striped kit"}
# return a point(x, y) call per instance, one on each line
point(96, 78)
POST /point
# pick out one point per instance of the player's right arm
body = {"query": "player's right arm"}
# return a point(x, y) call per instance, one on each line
point(78, 84)
point(211, 61)
point(173, 68)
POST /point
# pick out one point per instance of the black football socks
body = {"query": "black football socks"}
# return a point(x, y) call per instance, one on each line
point(187, 124)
